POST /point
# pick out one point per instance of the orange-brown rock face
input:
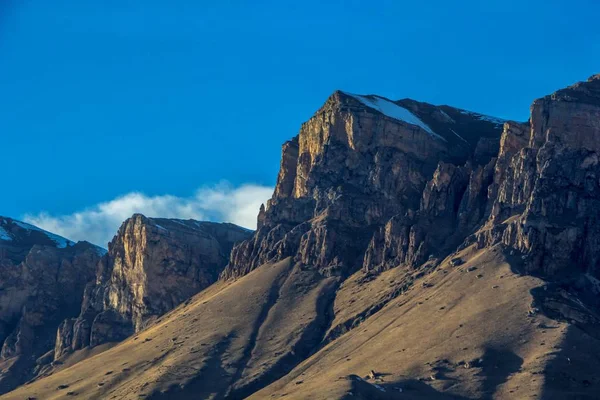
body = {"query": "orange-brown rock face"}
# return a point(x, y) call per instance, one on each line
point(152, 266)
point(374, 183)
point(377, 187)
point(358, 163)
point(550, 185)
point(42, 278)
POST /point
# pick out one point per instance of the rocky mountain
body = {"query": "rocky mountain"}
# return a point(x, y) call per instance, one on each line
point(152, 265)
point(547, 201)
point(408, 251)
point(358, 166)
point(42, 278)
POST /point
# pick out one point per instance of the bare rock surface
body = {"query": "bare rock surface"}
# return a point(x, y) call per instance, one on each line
point(42, 279)
point(152, 265)
point(547, 206)
point(360, 163)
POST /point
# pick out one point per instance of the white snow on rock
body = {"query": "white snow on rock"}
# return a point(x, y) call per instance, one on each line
point(60, 241)
point(447, 117)
point(460, 137)
point(482, 117)
point(394, 111)
point(4, 235)
point(160, 227)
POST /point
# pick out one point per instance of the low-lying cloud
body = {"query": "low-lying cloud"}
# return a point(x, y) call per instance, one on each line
point(99, 223)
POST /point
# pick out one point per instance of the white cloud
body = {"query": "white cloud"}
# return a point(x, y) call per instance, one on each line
point(99, 223)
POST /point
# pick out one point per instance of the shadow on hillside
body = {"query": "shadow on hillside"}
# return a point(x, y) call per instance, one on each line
point(210, 380)
point(571, 373)
point(403, 389)
point(308, 343)
point(213, 381)
point(494, 368)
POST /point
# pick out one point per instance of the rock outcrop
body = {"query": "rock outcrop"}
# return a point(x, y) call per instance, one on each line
point(548, 190)
point(374, 183)
point(152, 265)
point(42, 279)
point(358, 169)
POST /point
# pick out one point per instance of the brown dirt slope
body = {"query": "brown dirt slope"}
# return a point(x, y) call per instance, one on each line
point(213, 346)
point(461, 333)
point(456, 332)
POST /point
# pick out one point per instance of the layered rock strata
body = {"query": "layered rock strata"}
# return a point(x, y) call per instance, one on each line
point(152, 265)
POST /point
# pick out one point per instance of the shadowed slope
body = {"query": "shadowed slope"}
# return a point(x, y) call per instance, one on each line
point(465, 334)
point(227, 341)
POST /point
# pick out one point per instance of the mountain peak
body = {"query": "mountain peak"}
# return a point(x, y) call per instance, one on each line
point(12, 230)
point(457, 129)
point(153, 264)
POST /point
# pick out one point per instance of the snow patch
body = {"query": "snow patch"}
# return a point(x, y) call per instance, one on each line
point(482, 117)
point(185, 223)
point(394, 111)
point(460, 137)
point(160, 226)
point(448, 118)
point(60, 241)
point(4, 235)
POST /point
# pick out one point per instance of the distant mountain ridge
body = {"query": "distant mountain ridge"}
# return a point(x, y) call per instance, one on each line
point(21, 235)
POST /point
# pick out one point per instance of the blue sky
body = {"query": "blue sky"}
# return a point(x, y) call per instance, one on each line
point(102, 100)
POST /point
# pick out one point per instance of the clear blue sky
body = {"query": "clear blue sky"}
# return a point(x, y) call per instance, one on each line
point(102, 98)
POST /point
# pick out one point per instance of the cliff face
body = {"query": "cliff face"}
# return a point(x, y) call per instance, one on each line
point(547, 206)
point(152, 266)
point(359, 167)
point(374, 183)
point(42, 278)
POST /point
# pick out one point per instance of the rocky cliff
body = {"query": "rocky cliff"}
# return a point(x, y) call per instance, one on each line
point(364, 169)
point(152, 265)
point(371, 184)
point(374, 183)
point(42, 279)
point(548, 189)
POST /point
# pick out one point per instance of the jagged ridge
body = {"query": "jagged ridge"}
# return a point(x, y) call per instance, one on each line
point(153, 265)
point(367, 208)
